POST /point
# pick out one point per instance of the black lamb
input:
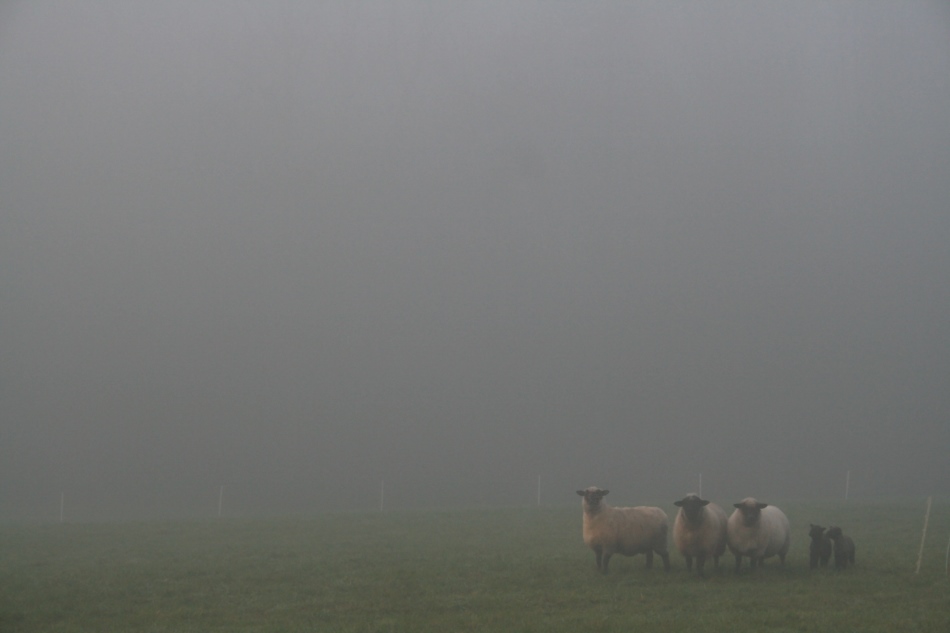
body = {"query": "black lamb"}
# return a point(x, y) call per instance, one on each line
point(844, 547)
point(820, 549)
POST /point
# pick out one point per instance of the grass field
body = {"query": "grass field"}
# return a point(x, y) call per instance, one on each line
point(456, 570)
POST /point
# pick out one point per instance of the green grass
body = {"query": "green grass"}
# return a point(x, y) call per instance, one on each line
point(458, 570)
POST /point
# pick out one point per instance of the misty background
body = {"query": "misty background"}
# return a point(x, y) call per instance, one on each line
point(301, 249)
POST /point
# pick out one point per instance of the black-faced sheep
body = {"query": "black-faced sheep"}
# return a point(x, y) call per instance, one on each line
point(759, 531)
point(844, 547)
point(820, 549)
point(628, 531)
point(699, 531)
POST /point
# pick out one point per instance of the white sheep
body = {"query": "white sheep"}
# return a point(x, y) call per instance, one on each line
point(699, 531)
point(759, 531)
point(627, 531)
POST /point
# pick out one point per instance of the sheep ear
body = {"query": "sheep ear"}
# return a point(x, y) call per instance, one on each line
point(703, 502)
point(736, 505)
point(678, 503)
point(761, 505)
point(580, 492)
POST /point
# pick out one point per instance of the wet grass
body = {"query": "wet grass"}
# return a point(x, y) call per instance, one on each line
point(459, 570)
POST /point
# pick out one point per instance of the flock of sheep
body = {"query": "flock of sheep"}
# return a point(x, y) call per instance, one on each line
point(701, 530)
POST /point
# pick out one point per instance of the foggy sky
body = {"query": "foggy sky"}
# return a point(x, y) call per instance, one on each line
point(298, 249)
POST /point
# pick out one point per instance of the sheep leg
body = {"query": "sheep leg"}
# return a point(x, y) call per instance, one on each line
point(813, 561)
point(606, 560)
point(666, 561)
point(700, 564)
point(689, 563)
point(599, 553)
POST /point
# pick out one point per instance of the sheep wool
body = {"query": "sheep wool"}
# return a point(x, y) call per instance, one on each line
point(757, 530)
point(699, 531)
point(627, 531)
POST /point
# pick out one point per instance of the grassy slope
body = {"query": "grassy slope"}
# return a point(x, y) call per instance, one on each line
point(464, 570)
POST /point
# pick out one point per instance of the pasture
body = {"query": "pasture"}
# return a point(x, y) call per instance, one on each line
point(512, 569)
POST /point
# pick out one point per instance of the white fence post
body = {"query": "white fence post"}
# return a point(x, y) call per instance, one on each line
point(923, 535)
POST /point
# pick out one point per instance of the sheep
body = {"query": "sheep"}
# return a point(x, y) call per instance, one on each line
point(628, 531)
point(759, 531)
point(699, 531)
point(844, 547)
point(820, 548)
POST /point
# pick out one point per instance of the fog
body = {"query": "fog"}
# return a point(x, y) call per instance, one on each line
point(316, 252)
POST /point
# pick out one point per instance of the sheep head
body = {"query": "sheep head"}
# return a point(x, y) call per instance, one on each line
point(692, 506)
point(750, 509)
point(592, 497)
point(815, 531)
